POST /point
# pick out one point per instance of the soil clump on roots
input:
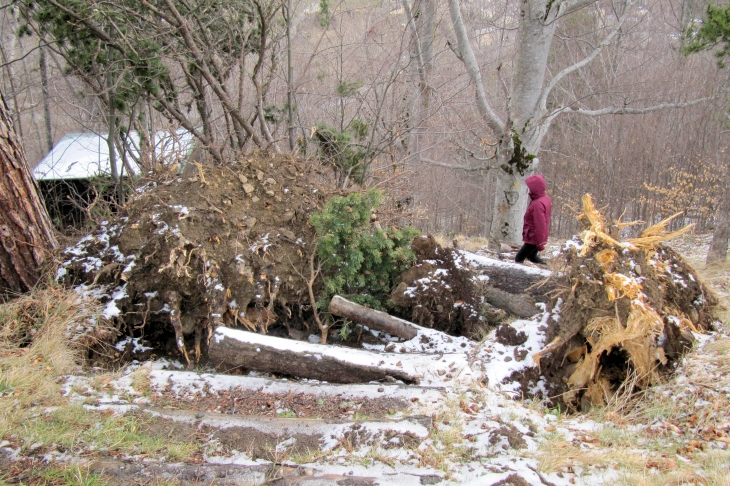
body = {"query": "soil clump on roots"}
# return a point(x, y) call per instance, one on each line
point(624, 313)
point(226, 246)
point(439, 291)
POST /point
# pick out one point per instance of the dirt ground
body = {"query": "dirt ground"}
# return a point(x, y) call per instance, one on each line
point(438, 291)
point(253, 402)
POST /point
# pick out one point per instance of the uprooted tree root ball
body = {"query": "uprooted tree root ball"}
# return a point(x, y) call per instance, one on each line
point(229, 245)
point(627, 310)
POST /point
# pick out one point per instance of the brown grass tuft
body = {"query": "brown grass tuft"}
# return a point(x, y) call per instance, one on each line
point(37, 347)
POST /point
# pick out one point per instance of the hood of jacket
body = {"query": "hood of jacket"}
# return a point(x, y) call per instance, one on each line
point(537, 186)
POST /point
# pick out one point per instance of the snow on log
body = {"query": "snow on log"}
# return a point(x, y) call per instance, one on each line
point(306, 360)
point(374, 319)
point(514, 278)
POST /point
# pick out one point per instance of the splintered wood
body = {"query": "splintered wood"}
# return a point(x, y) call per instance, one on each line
point(631, 323)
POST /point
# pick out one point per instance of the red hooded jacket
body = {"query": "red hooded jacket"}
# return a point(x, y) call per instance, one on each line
point(536, 227)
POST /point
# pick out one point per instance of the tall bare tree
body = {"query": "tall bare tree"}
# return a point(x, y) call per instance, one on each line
point(26, 234)
point(530, 110)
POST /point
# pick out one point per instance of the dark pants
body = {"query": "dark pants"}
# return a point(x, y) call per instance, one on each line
point(528, 252)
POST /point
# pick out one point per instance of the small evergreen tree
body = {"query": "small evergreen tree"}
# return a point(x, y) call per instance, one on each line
point(359, 260)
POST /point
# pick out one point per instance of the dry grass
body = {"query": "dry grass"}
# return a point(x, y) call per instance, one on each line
point(446, 445)
point(558, 455)
point(468, 243)
point(35, 349)
point(375, 454)
point(679, 426)
point(65, 474)
point(707, 469)
point(38, 346)
point(701, 395)
point(481, 332)
point(635, 456)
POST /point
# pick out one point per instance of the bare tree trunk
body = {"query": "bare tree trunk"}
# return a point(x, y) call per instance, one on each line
point(509, 206)
point(111, 142)
point(421, 23)
point(290, 80)
point(528, 116)
point(515, 278)
point(26, 234)
point(8, 61)
point(521, 305)
point(46, 98)
point(721, 235)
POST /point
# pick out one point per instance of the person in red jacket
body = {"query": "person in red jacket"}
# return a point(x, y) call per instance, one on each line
point(536, 227)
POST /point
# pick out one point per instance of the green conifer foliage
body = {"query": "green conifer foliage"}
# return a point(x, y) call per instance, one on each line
point(714, 30)
point(347, 157)
point(359, 260)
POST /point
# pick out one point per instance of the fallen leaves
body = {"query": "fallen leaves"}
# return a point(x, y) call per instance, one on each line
point(469, 408)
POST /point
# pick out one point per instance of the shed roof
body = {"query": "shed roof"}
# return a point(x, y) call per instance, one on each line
point(86, 155)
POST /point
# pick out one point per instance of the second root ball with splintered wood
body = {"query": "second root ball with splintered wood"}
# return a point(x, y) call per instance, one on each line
point(629, 310)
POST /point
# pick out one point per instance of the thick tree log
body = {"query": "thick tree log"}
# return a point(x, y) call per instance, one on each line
point(26, 233)
point(511, 277)
point(374, 319)
point(305, 360)
point(521, 305)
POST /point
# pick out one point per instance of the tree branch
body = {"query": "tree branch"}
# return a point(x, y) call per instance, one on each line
point(625, 110)
point(467, 168)
point(417, 44)
point(220, 90)
point(573, 5)
point(466, 54)
point(587, 60)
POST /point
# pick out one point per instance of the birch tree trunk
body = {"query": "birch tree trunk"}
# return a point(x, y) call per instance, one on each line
point(26, 234)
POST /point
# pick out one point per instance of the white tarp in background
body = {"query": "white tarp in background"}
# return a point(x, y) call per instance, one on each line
point(86, 155)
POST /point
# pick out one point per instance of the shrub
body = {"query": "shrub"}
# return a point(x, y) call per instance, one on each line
point(360, 261)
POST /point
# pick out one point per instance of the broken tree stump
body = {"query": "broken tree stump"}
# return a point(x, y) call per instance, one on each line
point(306, 360)
point(374, 319)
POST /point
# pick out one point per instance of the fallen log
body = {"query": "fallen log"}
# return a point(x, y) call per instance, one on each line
point(374, 319)
point(520, 305)
point(306, 360)
point(511, 277)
